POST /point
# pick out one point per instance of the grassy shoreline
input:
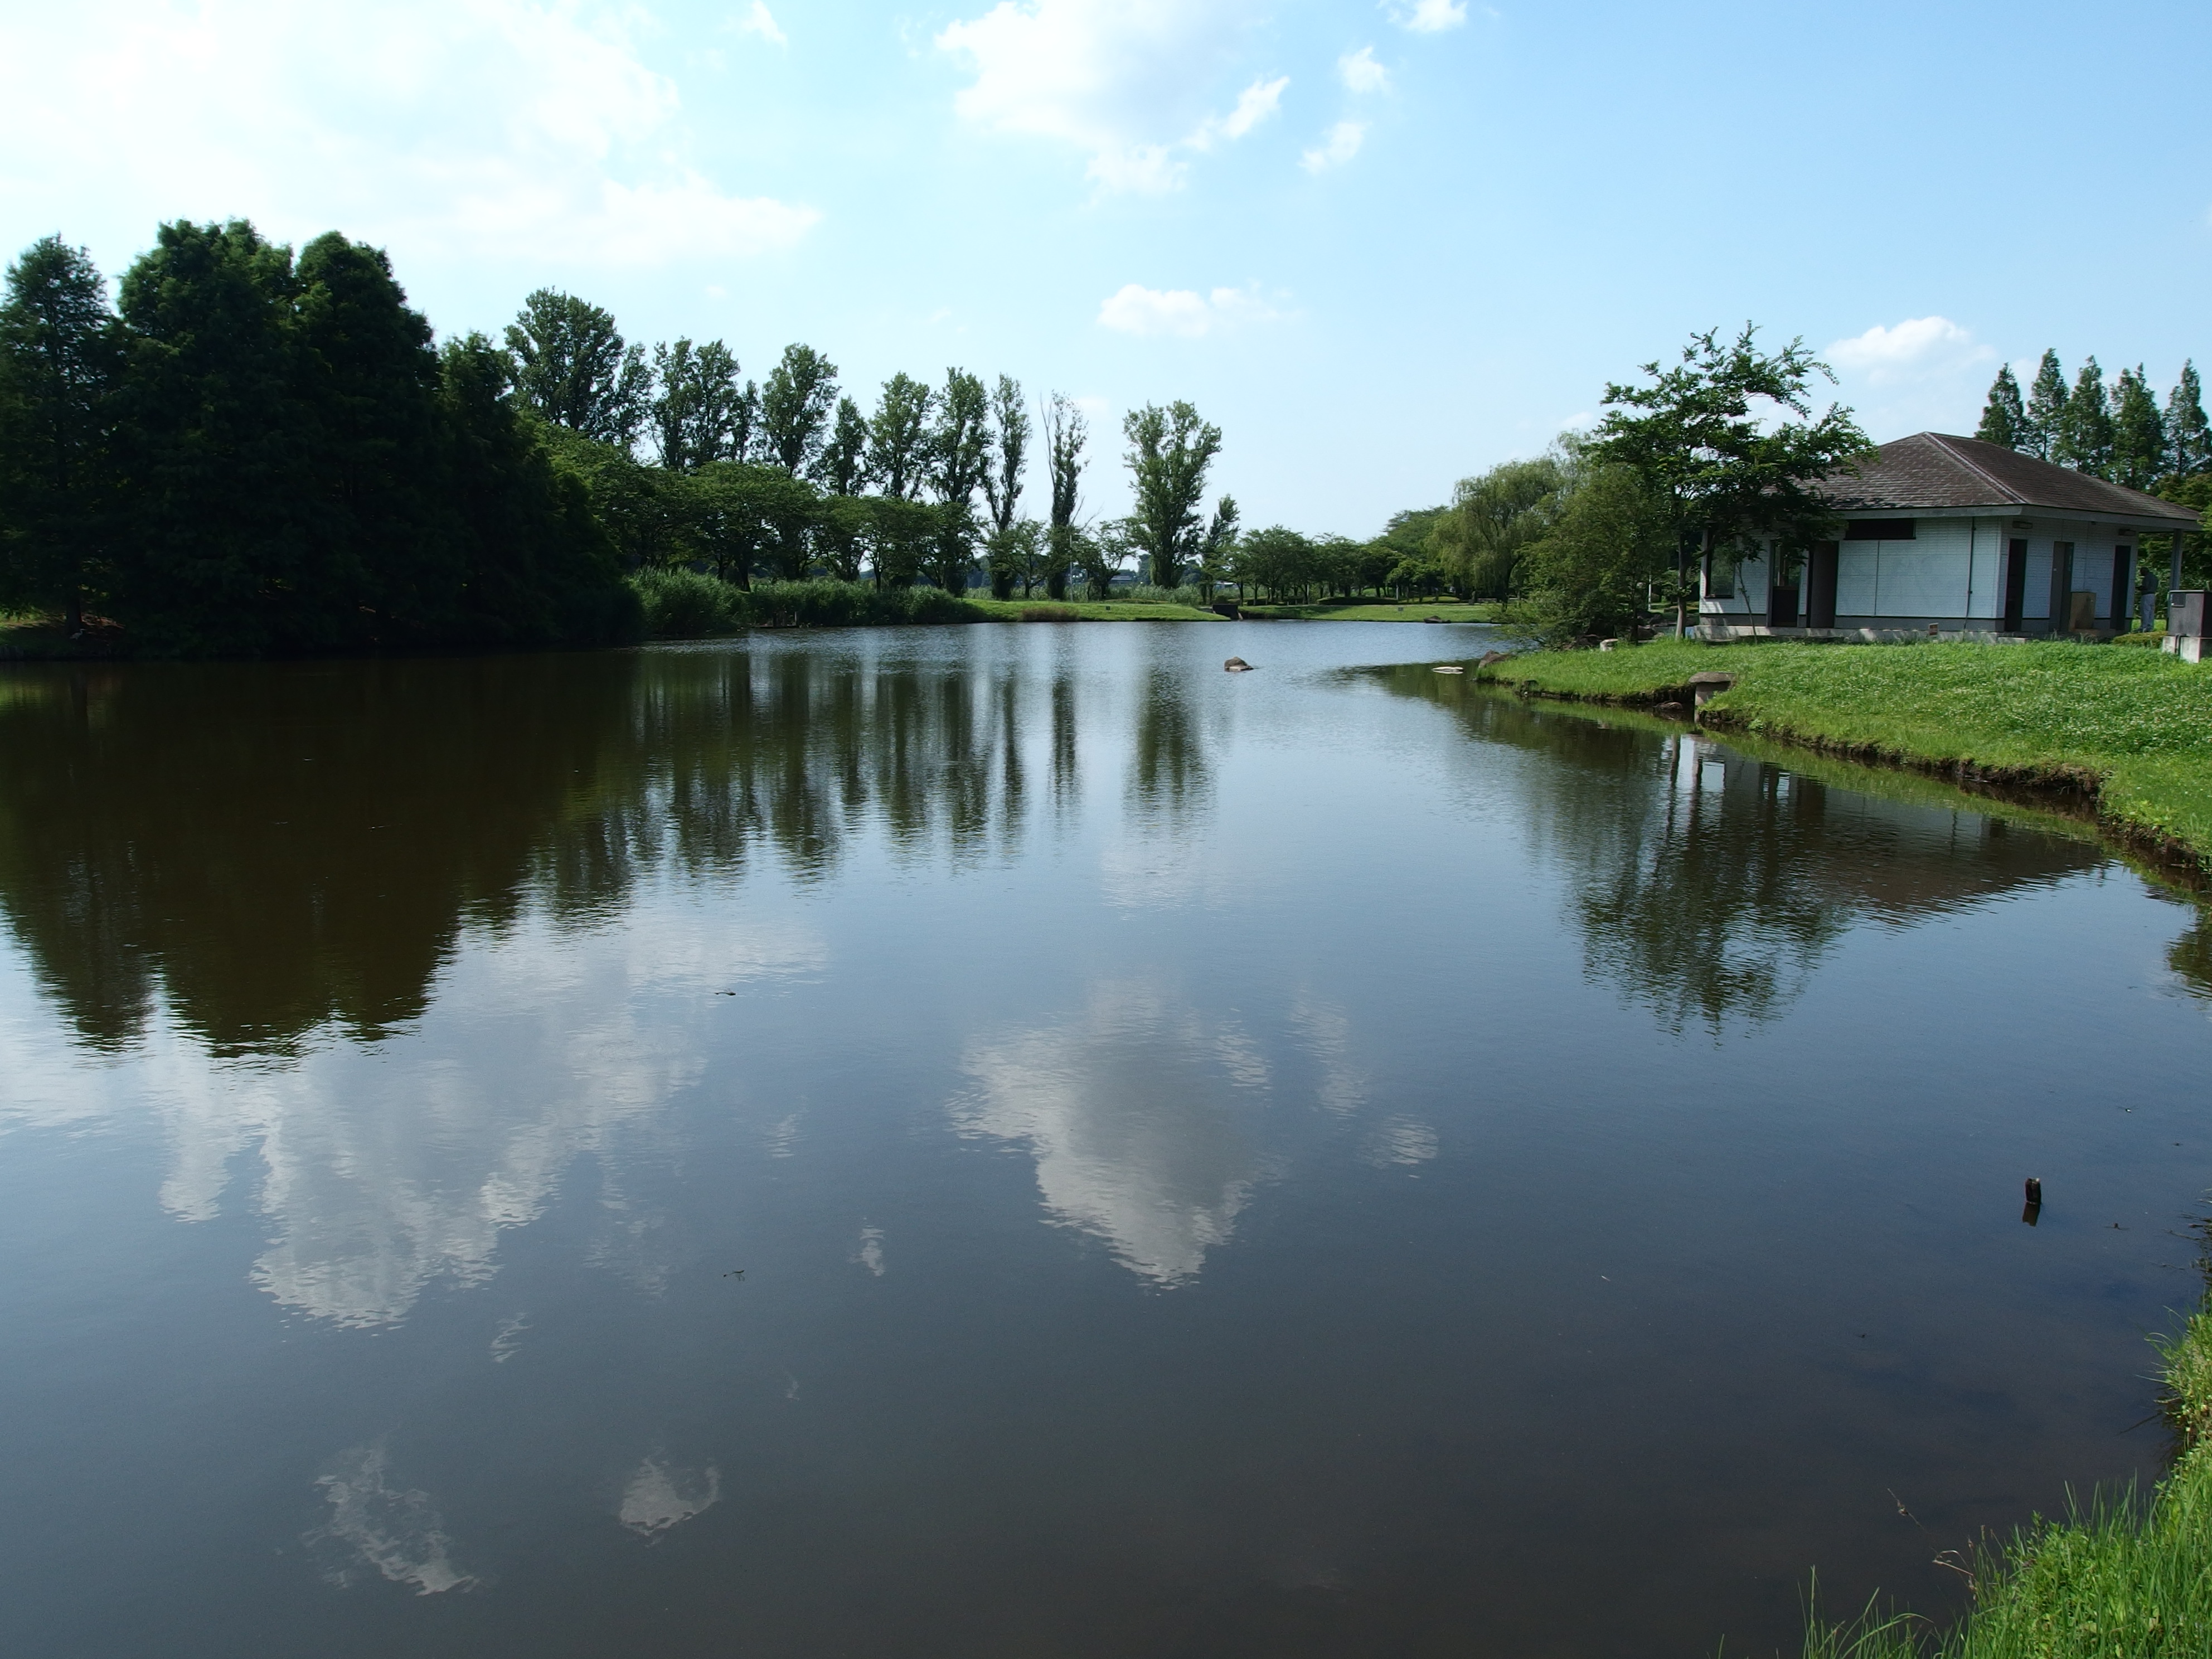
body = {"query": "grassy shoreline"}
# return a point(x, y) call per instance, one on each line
point(2119, 1579)
point(2128, 729)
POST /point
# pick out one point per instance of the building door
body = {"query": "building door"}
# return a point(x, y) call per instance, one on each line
point(1821, 586)
point(2061, 583)
point(1781, 600)
point(2123, 586)
point(2015, 585)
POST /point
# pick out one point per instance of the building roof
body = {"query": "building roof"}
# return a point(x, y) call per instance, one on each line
point(1934, 471)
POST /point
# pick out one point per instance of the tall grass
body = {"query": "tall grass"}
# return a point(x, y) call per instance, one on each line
point(2119, 1579)
point(687, 605)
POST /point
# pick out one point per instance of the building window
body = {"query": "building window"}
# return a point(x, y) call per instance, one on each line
point(1880, 530)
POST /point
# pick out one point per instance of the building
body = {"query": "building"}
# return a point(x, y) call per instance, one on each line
point(1954, 535)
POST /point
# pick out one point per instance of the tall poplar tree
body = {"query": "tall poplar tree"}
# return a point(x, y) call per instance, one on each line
point(2139, 443)
point(59, 356)
point(959, 457)
point(694, 412)
point(2004, 417)
point(898, 436)
point(2189, 444)
point(795, 407)
point(1170, 451)
point(2046, 407)
point(1066, 433)
point(2083, 439)
point(573, 368)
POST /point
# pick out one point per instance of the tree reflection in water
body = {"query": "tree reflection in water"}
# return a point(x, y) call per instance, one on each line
point(1707, 883)
point(270, 849)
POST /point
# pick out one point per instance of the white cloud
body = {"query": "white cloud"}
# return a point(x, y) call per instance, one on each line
point(1360, 72)
point(1149, 312)
point(1912, 348)
point(1253, 105)
point(759, 21)
point(1923, 373)
point(1129, 82)
point(1429, 16)
point(1341, 145)
point(479, 128)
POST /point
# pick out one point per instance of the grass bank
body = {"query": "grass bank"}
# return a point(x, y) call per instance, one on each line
point(2132, 729)
point(2123, 1579)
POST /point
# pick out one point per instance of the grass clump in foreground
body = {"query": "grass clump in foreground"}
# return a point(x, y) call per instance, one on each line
point(2122, 1580)
point(2133, 728)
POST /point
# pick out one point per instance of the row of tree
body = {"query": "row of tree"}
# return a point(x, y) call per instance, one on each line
point(2116, 432)
point(252, 452)
point(792, 478)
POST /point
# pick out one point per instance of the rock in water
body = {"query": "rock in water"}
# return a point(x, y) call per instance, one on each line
point(1237, 666)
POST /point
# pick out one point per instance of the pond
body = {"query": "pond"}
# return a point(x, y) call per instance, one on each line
point(1012, 1141)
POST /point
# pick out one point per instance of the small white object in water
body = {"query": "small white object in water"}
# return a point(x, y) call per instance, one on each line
point(1450, 668)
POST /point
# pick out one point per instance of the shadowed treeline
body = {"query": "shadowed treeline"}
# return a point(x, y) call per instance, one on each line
point(1708, 883)
point(271, 848)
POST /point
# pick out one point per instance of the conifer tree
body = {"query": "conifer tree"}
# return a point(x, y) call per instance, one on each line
point(2004, 419)
point(2083, 440)
point(2046, 407)
point(2189, 444)
point(2138, 434)
point(59, 356)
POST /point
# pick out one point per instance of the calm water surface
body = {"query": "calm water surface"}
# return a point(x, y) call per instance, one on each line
point(1010, 1142)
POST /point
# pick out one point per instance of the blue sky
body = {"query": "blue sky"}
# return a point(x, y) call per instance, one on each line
point(1381, 245)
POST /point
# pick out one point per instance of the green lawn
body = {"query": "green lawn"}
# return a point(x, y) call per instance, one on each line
point(2132, 726)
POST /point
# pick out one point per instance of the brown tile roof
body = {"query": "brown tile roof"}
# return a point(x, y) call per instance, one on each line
point(1934, 469)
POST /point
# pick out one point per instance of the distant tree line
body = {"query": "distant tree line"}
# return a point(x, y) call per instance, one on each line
point(251, 452)
point(254, 453)
point(791, 478)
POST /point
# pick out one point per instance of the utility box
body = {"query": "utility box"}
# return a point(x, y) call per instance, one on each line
point(2082, 611)
point(2185, 623)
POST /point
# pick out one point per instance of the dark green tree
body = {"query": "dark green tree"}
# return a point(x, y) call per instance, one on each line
point(2046, 407)
point(2188, 440)
point(539, 568)
point(898, 437)
point(2139, 441)
point(959, 457)
point(216, 553)
point(2005, 416)
point(575, 370)
point(366, 378)
point(795, 407)
point(1170, 451)
point(60, 354)
point(1728, 474)
point(2083, 437)
point(694, 411)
